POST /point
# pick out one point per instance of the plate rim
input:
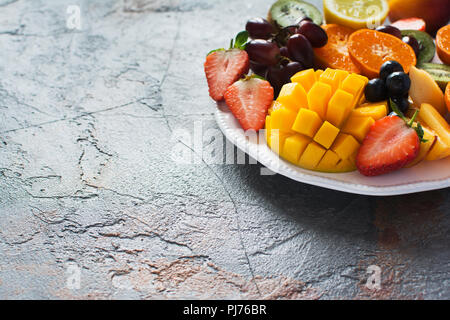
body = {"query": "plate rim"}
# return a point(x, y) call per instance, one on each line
point(309, 178)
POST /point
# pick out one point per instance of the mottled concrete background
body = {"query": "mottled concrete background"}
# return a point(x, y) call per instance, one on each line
point(92, 206)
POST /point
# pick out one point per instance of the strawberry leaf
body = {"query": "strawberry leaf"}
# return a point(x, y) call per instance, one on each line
point(420, 132)
point(241, 40)
point(215, 50)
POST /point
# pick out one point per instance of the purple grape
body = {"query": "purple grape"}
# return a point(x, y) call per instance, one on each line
point(315, 34)
point(258, 69)
point(259, 28)
point(278, 76)
point(413, 43)
point(300, 50)
point(263, 52)
point(390, 30)
point(284, 52)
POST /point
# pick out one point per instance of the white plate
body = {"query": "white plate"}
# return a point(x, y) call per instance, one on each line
point(425, 176)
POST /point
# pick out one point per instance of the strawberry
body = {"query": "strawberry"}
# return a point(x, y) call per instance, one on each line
point(390, 145)
point(223, 68)
point(249, 99)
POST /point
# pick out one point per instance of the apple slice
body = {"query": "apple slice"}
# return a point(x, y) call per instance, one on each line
point(425, 90)
point(425, 147)
point(436, 122)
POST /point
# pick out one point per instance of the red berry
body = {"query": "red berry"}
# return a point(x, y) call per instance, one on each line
point(223, 68)
point(249, 100)
point(390, 145)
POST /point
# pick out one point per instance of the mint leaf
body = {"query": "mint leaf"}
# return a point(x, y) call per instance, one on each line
point(241, 40)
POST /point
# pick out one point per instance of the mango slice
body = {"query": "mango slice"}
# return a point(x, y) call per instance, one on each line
point(314, 121)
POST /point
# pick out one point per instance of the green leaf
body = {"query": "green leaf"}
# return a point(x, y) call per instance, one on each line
point(420, 133)
point(395, 108)
point(241, 40)
point(221, 49)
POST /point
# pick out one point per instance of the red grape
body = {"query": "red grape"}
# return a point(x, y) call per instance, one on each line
point(300, 50)
point(263, 52)
point(390, 30)
point(284, 52)
point(280, 75)
point(258, 69)
point(413, 43)
point(259, 28)
point(314, 33)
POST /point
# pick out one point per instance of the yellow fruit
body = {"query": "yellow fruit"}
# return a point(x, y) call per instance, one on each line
point(356, 14)
point(358, 127)
point(318, 98)
point(307, 122)
point(311, 136)
point(425, 147)
point(293, 96)
point(374, 110)
point(438, 151)
point(435, 121)
point(425, 90)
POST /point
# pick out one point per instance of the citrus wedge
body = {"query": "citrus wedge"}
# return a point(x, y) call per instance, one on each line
point(356, 14)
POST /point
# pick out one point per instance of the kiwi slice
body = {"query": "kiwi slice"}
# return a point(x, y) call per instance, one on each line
point(284, 13)
point(439, 72)
point(427, 46)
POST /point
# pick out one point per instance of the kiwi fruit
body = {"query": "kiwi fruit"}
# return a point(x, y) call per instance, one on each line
point(427, 46)
point(284, 13)
point(439, 72)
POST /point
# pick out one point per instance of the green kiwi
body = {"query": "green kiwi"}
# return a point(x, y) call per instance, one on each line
point(427, 46)
point(284, 13)
point(439, 72)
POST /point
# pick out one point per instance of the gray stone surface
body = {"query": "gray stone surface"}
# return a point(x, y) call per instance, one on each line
point(87, 180)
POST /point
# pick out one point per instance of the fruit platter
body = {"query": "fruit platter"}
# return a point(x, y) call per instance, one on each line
point(343, 100)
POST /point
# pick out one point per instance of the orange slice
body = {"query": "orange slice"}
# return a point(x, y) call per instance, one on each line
point(443, 44)
point(335, 54)
point(369, 49)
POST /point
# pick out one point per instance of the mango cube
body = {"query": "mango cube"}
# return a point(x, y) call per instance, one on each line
point(318, 98)
point(294, 146)
point(268, 129)
point(328, 162)
point(341, 76)
point(312, 156)
point(293, 96)
point(275, 106)
point(306, 78)
point(330, 77)
point(326, 134)
point(339, 107)
point(283, 119)
point(358, 127)
point(277, 140)
point(375, 111)
point(307, 122)
point(318, 73)
point(345, 166)
point(345, 146)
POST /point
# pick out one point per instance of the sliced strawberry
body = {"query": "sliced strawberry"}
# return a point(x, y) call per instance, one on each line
point(410, 24)
point(390, 145)
point(249, 99)
point(223, 68)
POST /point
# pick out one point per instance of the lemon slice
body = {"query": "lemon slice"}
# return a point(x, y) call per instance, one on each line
point(356, 14)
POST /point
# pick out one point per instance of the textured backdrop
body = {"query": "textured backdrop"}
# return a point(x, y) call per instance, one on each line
point(92, 206)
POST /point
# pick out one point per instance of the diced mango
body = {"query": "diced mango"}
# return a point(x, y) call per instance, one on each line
point(318, 73)
point(328, 162)
point(345, 166)
point(439, 150)
point(425, 147)
point(375, 111)
point(318, 98)
point(330, 77)
point(306, 78)
point(312, 156)
point(277, 140)
point(354, 84)
point(358, 127)
point(341, 76)
point(294, 146)
point(326, 134)
point(307, 122)
point(345, 146)
point(339, 108)
point(293, 96)
point(436, 122)
point(283, 119)
point(275, 106)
